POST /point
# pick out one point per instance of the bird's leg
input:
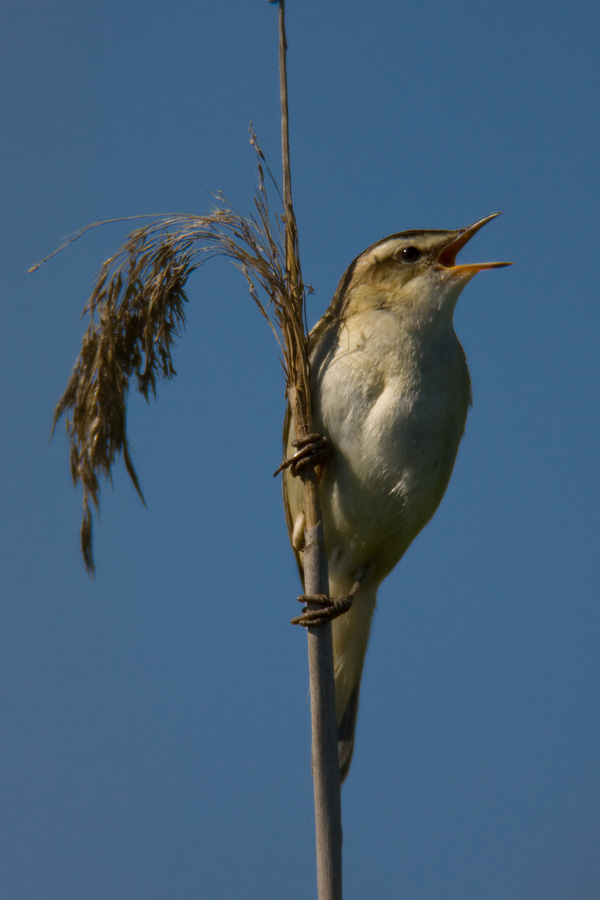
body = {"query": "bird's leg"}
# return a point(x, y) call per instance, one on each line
point(331, 608)
point(312, 450)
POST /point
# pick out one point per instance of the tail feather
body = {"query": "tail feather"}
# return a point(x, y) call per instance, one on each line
point(346, 730)
point(350, 639)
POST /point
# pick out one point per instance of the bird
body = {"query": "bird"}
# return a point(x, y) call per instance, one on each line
point(390, 390)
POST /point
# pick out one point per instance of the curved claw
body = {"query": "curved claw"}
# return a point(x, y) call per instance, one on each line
point(332, 607)
point(314, 449)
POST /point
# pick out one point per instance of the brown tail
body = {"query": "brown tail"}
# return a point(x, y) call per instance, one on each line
point(350, 639)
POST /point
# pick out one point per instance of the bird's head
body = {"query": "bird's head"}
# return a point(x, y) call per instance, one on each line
point(411, 270)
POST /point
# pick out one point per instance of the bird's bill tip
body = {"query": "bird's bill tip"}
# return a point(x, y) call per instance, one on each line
point(481, 222)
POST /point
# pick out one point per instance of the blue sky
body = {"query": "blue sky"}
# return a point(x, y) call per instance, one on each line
point(155, 721)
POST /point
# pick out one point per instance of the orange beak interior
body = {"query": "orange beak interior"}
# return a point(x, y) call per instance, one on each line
point(447, 256)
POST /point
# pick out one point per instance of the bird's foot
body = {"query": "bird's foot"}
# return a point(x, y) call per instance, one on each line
point(312, 450)
point(331, 608)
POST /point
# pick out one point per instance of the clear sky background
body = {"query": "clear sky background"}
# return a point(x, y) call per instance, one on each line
point(155, 722)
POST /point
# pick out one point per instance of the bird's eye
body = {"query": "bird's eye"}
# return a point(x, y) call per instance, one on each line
point(410, 254)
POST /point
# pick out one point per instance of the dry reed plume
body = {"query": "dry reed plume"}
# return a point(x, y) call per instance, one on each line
point(137, 309)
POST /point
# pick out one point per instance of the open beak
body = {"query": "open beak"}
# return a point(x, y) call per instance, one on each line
point(447, 256)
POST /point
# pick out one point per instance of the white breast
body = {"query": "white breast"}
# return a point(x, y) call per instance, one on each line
point(394, 408)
